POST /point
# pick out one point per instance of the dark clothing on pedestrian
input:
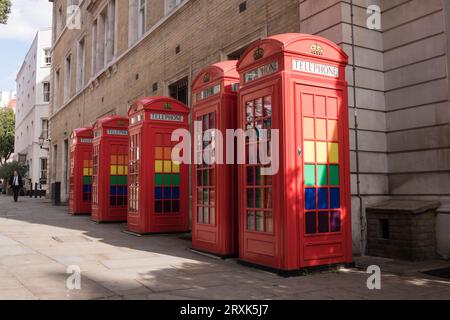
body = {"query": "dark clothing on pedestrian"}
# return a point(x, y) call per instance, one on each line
point(16, 184)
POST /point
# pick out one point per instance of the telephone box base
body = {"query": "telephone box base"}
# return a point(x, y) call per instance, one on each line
point(143, 234)
point(109, 221)
point(80, 213)
point(214, 255)
point(297, 272)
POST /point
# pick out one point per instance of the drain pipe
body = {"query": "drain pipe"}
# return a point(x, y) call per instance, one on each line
point(355, 115)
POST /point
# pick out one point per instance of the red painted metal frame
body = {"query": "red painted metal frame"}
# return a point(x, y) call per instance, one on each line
point(105, 142)
point(288, 248)
point(80, 151)
point(220, 237)
point(145, 220)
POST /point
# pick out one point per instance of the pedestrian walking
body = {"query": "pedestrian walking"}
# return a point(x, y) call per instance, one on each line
point(16, 183)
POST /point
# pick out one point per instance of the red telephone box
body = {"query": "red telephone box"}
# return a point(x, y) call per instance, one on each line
point(110, 170)
point(159, 187)
point(80, 174)
point(215, 225)
point(299, 217)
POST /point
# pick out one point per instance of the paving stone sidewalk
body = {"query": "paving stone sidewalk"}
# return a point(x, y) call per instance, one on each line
point(39, 241)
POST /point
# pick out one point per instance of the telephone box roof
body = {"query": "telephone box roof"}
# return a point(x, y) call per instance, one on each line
point(294, 43)
point(83, 132)
point(157, 103)
point(216, 71)
point(112, 121)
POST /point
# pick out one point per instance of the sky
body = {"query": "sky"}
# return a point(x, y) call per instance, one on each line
point(26, 18)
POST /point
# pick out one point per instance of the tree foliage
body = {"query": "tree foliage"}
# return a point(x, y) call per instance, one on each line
point(5, 10)
point(7, 169)
point(7, 127)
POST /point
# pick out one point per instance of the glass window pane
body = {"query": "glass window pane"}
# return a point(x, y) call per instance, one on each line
point(199, 178)
point(321, 129)
point(321, 152)
point(259, 198)
point(335, 202)
point(206, 215)
point(334, 152)
point(310, 175)
point(176, 206)
point(309, 151)
point(334, 175)
point(250, 198)
point(323, 198)
point(205, 197)
point(212, 217)
point(335, 221)
point(200, 215)
point(250, 176)
point(259, 221)
point(212, 196)
point(268, 106)
point(259, 108)
point(250, 220)
point(158, 206)
point(249, 111)
point(259, 177)
point(211, 177)
point(205, 178)
point(322, 175)
point(269, 222)
point(310, 222)
point(308, 128)
point(212, 123)
point(167, 206)
point(310, 199)
point(324, 226)
point(167, 179)
point(268, 198)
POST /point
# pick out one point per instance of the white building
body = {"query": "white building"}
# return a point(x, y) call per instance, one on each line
point(33, 97)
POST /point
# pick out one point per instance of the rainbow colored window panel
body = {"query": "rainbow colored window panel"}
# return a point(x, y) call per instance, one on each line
point(118, 193)
point(166, 182)
point(87, 180)
point(321, 172)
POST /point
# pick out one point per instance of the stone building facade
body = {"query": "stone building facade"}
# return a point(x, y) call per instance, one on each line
point(398, 76)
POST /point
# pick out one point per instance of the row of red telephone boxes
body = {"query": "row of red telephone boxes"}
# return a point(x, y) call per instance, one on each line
point(121, 169)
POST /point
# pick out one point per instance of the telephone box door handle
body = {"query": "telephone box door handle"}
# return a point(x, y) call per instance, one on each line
point(299, 151)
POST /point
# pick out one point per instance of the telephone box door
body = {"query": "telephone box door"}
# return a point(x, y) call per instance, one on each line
point(260, 205)
point(169, 203)
point(321, 159)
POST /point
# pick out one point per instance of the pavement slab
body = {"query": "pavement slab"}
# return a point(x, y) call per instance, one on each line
point(38, 242)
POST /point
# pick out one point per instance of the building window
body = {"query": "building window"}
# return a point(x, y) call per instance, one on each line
point(44, 128)
point(104, 37)
point(94, 47)
point(59, 21)
point(179, 90)
point(141, 18)
point(56, 89)
point(111, 31)
point(46, 91)
point(47, 57)
point(68, 77)
point(43, 175)
point(81, 54)
point(136, 20)
point(101, 39)
point(172, 4)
